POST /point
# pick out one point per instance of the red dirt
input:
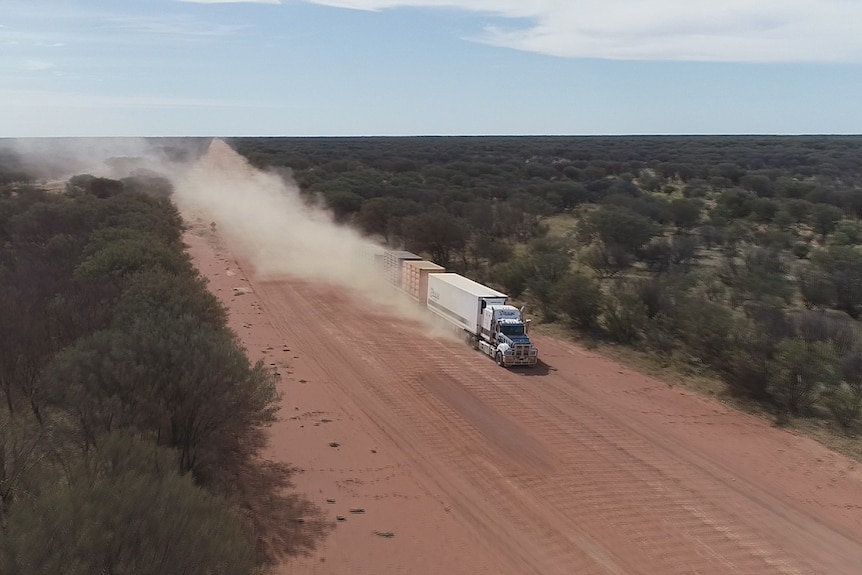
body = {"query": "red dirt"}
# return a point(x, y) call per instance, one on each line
point(583, 466)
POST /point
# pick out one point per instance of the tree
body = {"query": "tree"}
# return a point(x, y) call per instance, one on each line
point(436, 232)
point(99, 187)
point(683, 249)
point(843, 266)
point(376, 215)
point(618, 233)
point(139, 252)
point(824, 218)
point(658, 255)
point(844, 402)
point(580, 297)
point(624, 315)
point(816, 288)
point(187, 384)
point(343, 204)
point(685, 213)
point(157, 292)
point(799, 372)
point(706, 329)
point(746, 364)
point(125, 511)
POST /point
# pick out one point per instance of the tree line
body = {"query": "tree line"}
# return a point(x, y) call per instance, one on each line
point(132, 422)
point(736, 255)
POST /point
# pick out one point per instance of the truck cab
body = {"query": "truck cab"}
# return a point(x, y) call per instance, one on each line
point(506, 332)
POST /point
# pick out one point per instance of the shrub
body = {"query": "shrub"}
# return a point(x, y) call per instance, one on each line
point(624, 316)
point(580, 297)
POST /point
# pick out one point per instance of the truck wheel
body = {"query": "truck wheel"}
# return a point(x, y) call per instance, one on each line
point(499, 359)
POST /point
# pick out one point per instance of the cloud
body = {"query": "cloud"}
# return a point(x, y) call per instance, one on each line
point(177, 25)
point(689, 30)
point(36, 65)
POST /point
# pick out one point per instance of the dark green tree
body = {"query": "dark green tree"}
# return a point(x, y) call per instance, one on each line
point(799, 373)
point(580, 297)
point(126, 511)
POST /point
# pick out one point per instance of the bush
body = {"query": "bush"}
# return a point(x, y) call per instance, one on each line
point(845, 404)
point(580, 297)
point(706, 329)
point(126, 511)
point(661, 334)
point(799, 373)
point(746, 364)
point(624, 316)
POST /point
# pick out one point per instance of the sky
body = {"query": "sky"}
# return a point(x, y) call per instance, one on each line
point(429, 67)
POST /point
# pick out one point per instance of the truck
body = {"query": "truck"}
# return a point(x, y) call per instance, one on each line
point(414, 278)
point(483, 316)
point(393, 263)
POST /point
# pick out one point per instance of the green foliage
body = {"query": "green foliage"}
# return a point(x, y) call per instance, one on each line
point(158, 292)
point(343, 204)
point(616, 233)
point(760, 275)
point(842, 265)
point(624, 315)
point(133, 254)
point(799, 373)
point(184, 383)
point(124, 512)
point(686, 212)
point(31, 457)
point(824, 219)
point(99, 187)
point(616, 226)
point(379, 215)
point(706, 329)
point(580, 297)
point(746, 364)
point(816, 288)
point(850, 229)
point(437, 233)
point(106, 327)
point(844, 402)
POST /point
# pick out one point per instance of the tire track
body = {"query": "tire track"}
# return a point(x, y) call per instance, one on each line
point(547, 473)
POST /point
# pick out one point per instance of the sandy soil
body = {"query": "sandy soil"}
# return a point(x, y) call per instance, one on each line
point(579, 466)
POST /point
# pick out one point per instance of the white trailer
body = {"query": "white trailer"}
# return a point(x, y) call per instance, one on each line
point(487, 322)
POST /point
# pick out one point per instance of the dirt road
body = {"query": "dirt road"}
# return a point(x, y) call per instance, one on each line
point(459, 466)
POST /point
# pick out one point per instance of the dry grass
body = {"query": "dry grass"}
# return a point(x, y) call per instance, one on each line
point(560, 225)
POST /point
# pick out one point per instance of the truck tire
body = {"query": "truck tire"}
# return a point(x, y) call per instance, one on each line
point(499, 359)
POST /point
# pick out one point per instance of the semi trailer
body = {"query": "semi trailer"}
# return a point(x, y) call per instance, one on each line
point(414, 278)
point(484, 318)
point(393, 264)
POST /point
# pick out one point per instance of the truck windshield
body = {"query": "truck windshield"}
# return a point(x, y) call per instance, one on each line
point(512, 330)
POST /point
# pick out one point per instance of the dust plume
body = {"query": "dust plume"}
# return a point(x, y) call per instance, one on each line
point(262, 215)
point(57, 159)
point(280, 233)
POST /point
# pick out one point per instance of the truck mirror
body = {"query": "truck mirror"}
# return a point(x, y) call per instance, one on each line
point(527, 326)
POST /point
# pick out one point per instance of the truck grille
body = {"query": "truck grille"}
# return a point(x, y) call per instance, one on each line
point(522, 350)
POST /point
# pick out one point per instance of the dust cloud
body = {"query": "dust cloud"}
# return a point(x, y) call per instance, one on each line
point(55, 160)
point(283, 235)
point(259, 212)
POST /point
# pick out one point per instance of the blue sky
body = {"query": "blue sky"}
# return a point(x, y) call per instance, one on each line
point(405, 67)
